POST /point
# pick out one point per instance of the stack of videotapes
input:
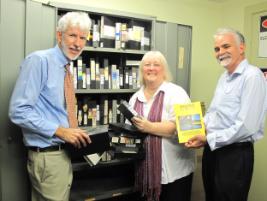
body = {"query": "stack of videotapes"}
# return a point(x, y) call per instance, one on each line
point(126, 140)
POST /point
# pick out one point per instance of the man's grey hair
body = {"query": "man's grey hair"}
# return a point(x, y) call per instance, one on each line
point(240, 39)
point(74, 19)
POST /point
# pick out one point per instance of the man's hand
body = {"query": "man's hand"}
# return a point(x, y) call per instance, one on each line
point(196, 141)
point(75, 136)
point(141, 123)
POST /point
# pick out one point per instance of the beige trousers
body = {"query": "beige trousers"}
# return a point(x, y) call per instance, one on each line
point(50, 175)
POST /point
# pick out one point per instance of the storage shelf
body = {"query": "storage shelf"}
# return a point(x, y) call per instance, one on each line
point(84, 165)
point(112, 50)
point(104, 91)
point(103, 188)
point(114, 179)
point(107, 183)
point(89, 196)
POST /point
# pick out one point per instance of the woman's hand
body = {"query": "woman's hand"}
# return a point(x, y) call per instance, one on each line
point(163, 128)
point(142, 123)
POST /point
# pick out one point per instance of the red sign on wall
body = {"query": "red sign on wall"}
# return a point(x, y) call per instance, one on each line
point(263, 37)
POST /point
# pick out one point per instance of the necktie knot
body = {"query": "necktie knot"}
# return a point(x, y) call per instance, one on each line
point(67, 67)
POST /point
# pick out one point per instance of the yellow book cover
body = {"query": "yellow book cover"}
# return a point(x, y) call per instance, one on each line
point(189, 121)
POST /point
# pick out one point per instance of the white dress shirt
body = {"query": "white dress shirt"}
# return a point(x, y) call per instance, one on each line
point(238, 108)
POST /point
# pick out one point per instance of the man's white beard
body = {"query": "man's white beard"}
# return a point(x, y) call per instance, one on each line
point(224, 60)
point(64, 49)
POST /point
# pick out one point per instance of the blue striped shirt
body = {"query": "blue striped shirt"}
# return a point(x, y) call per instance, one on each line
point(237, 111)
point(37, 103)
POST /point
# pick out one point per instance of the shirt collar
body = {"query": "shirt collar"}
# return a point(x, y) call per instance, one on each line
point(62, 59)
point(141, 95)
point(238, 71)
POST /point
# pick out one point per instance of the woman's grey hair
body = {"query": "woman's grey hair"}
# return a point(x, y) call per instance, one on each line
point(240, 39)
point(74, 19)
point(160, 57)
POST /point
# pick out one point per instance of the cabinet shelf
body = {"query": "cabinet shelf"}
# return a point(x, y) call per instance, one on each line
point(105, 91)
point(103, 183)
point(112, 50)
point(84, 195)
point(84, 165)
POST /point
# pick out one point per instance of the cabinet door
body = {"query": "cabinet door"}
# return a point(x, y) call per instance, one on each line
point(13, 176)
point(40, 29)
point(183, 67)
point(175, 43)
point(17, 19)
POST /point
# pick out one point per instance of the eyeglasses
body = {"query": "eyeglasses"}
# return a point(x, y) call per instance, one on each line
point(147, 65)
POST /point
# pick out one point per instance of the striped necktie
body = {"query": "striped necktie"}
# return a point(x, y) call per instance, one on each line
point(70, 98)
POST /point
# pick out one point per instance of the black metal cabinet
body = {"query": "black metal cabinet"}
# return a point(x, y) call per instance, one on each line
point(112, 179)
